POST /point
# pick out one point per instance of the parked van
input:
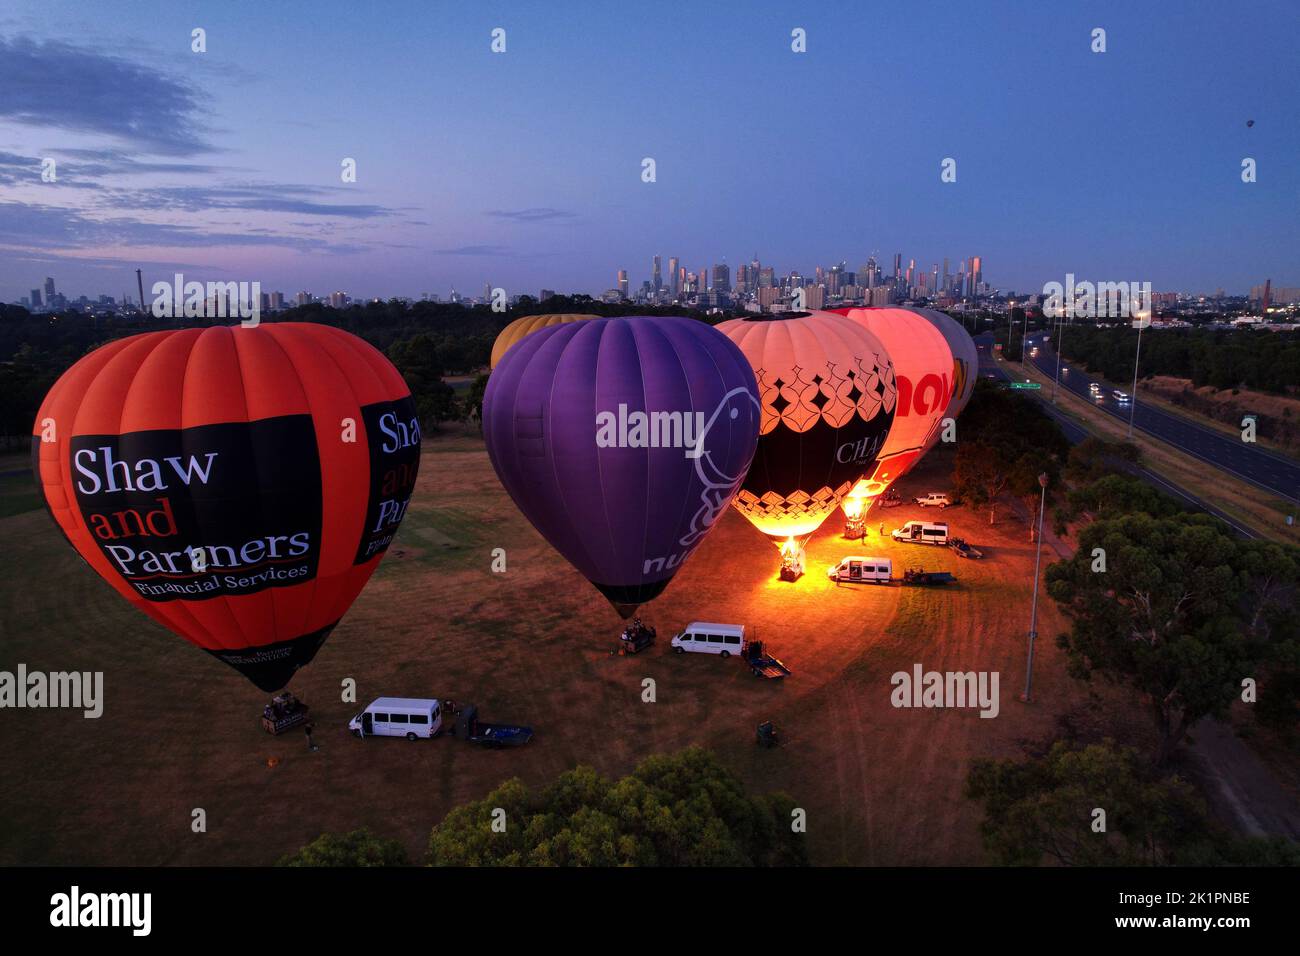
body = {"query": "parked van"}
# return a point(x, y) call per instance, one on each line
point(923, 532)
point(408, 717)
point(702, 637)
point(857, 570)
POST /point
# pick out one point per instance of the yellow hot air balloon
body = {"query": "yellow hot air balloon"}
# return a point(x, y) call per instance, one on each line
point(828, 397)
point(527, 325)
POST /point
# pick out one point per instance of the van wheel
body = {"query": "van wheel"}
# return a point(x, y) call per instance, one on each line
point(680, 650)
point(726, 653)
point(411, 736)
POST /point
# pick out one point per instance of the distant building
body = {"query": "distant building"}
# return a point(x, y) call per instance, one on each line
point(36, 298)
point(304, 298)
point(722, 278)
point(339, 300)
point(547, 294)
point(674, 277)
point(657, 279)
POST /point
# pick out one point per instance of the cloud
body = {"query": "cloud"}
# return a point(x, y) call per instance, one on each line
point(535, 214)
point(273, 197)
point(34, 226)
point(485, 250)
point(62, 86)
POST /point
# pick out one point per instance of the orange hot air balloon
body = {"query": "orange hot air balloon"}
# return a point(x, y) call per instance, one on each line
point(238, 485)
point(520, 328)
point(828, 397)
point(923, 367)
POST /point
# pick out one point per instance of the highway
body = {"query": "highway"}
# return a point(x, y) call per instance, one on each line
point(991, 368)
point(1251, 463)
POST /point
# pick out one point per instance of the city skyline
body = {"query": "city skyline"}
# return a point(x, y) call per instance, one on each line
point(513, 168)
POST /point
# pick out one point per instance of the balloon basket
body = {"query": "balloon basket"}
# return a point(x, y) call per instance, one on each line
point(284, 712)
point(854, 528)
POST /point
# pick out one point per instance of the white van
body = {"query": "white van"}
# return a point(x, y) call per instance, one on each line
point(409, 717)
point(859, 570)
point(703, 637)
point(923, 532)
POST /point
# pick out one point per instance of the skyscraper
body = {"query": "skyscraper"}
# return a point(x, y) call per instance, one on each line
point(656, 279)
point(722, 278)
point(622, 283)
point(36, 298)
point(674, 278)
point(49, 288)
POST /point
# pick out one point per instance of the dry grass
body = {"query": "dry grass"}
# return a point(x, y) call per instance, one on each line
point(180, 731)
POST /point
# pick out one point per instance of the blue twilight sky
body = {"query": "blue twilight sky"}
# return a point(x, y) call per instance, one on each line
point(523, 169)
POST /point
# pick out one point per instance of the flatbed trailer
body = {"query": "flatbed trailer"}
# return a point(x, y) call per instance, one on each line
point(468, 727)
point(763, 664)
point(915, 577)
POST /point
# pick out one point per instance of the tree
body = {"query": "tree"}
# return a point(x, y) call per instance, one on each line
point(1095, 458)
point(1043, 808)
point(1164, 616)
point(982, 473)
point(681, 809)
point(358, 848)
point(1115, 495)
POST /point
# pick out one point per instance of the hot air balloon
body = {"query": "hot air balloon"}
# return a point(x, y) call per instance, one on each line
point(923, 365)
point(622, 440)
point(965, 359)
point(828, 395)
point(238, 485)
point(527, 325)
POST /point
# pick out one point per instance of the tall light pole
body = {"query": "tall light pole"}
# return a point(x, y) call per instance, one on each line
point(1141, 320)
point(1033, 614)
point(1060, 329)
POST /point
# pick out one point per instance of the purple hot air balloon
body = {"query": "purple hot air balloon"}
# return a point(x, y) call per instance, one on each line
point(622, 441)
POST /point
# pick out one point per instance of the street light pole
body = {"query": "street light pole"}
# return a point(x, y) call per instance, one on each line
point(1060, 328)
point(1033, 614)
point(1142, 321)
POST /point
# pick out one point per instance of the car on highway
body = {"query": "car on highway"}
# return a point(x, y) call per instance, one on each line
point(1094, 387)
point(1121, 397)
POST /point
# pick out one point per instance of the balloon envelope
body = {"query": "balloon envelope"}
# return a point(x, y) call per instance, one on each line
point(828, 395)
point(923, 365)
point(238, 485)
point(523, 327)
point(622, 440)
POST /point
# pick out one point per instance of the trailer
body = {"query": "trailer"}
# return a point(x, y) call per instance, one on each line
point(763, 664)
point(468, 727)
point(964, 550)
point(915, 577)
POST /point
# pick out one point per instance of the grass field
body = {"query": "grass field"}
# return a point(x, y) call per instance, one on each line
point(180, 730)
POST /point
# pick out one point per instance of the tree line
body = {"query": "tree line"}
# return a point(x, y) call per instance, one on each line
point(1238, 358)
point(427, 341)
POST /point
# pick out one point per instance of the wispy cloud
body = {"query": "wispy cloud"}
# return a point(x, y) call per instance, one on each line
point(62, 86)
point(533, 215)
point(36, 226)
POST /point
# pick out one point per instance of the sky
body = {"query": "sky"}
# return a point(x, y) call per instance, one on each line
point(523, 169)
